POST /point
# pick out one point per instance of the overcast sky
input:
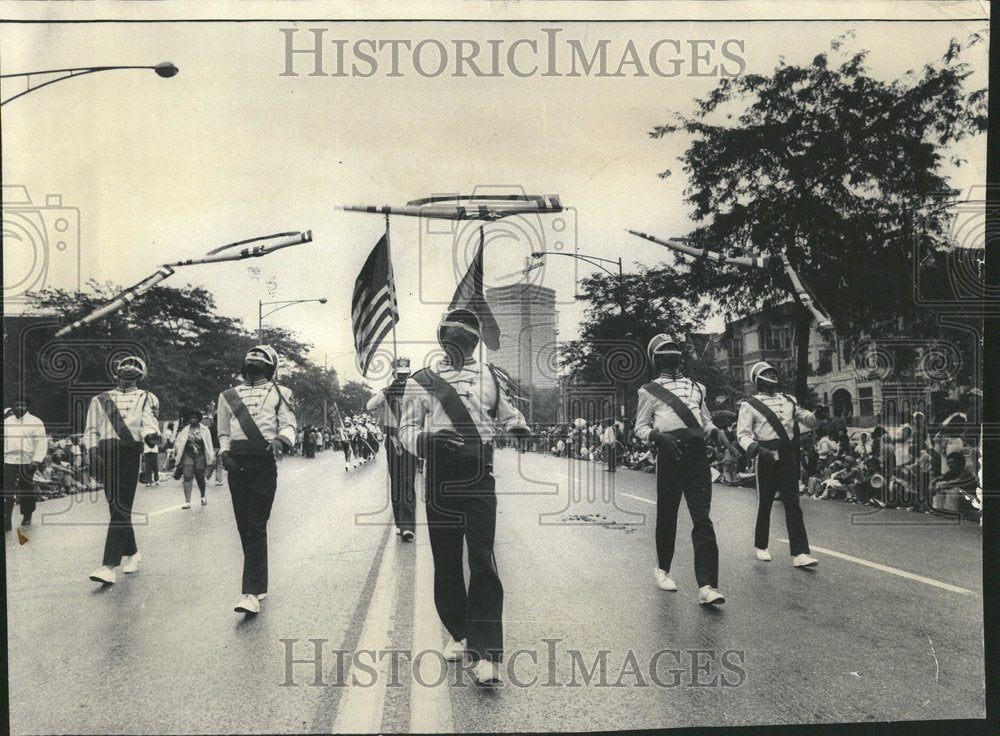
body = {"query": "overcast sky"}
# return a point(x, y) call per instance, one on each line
point(229, 149)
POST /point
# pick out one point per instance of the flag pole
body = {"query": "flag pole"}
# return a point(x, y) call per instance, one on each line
point(392, 285)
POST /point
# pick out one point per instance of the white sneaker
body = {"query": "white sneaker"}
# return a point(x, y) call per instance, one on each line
point(804, 561)
point(663, 580)
point(186, 506)
point(486, 673)
point(131, 563)
point(407, 536)
point(762, 554)
point(248, 604)
point(103, 574)
point(454, 651)
point(204, 501)
point(261, 596)
point(708, 596)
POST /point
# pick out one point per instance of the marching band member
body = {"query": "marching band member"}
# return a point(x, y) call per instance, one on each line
point(447, 419)
point(402, 465)
point(672, 415)
point(118, 422)
point(768, 429)
point(255, 420)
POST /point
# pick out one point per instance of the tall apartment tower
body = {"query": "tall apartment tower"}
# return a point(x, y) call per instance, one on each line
point(526, 314)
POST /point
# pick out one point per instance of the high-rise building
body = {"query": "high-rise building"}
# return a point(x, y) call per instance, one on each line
point(526, 314)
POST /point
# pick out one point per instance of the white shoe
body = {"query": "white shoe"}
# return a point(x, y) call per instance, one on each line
point(248, 604)
point(486, 673)
point(664, 581)
point(407, 536)
point(186, 506)
point(131, 563)
point(804, 561)
point(454, 651)
point(204, 501)
point(708, 596)
point(261, 596)
point(762, 554)
point(103, 574)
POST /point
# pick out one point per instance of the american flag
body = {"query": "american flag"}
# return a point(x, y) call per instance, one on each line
point(373, 308)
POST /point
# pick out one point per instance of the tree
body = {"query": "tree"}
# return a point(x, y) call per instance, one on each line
point(611, 349)
point(841, 169)
point(192, 352)
point(353, 396)
point(313, 387)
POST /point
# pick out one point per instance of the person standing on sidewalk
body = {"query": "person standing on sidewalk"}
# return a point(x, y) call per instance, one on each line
point(151, 465)
point(672, 415)
point(402, 465)
point(255, 420)
point(24, 449)
point(768, 430)
point(448, 419)
point(119, 421)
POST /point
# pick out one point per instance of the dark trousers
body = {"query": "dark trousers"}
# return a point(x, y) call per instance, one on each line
point(252, 489)
point(19, 486)
point(781, 477)
point(119, 475)
point(403, 495)
point(462, 508)
point(612, 452)
point(150, 467)
point(690, 477)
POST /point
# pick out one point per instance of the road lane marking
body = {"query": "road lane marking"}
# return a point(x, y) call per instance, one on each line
point(638, 498)
point(430, 707)
point(361, 709)
point(886, 568)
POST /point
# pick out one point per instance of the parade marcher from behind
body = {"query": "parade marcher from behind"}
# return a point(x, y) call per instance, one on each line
point(255, 420)
point(387, 403)
point(447, 419)
point(119, 421)
point(768, 430)
point(24, 449)
point(673, 416)
point(194, 454)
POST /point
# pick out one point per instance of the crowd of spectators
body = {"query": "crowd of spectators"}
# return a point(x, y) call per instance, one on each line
point(909, 463)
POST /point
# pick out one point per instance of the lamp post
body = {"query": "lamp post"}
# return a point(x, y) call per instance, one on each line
point(598, 262)
point(277, 305)
point(164, 70)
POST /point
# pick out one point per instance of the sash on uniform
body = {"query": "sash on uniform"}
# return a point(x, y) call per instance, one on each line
point(254, 437)
point(117, 421)
point(457, 413)
point(776, 425)
point(679, 408)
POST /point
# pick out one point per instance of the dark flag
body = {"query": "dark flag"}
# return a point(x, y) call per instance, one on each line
point(373, 308)
point(469, 295)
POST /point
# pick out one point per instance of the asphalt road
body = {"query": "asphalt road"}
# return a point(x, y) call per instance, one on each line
point(887, 628)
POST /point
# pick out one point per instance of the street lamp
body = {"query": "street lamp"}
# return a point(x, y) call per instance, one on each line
point(597, 261)
point(164, 70)
point(277, 305)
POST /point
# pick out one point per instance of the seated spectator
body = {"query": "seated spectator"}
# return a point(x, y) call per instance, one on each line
point(863, 447)
point(955, 486)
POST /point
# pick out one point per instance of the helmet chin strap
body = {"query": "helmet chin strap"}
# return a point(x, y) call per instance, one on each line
point(766, 387)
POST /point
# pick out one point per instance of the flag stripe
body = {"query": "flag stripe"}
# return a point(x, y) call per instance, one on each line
point(373, 306)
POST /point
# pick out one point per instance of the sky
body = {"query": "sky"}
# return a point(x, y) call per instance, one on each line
point(155, 170)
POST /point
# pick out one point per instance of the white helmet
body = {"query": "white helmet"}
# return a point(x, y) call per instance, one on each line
point(662, 344)
point(133, 363)
point(758, 369)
